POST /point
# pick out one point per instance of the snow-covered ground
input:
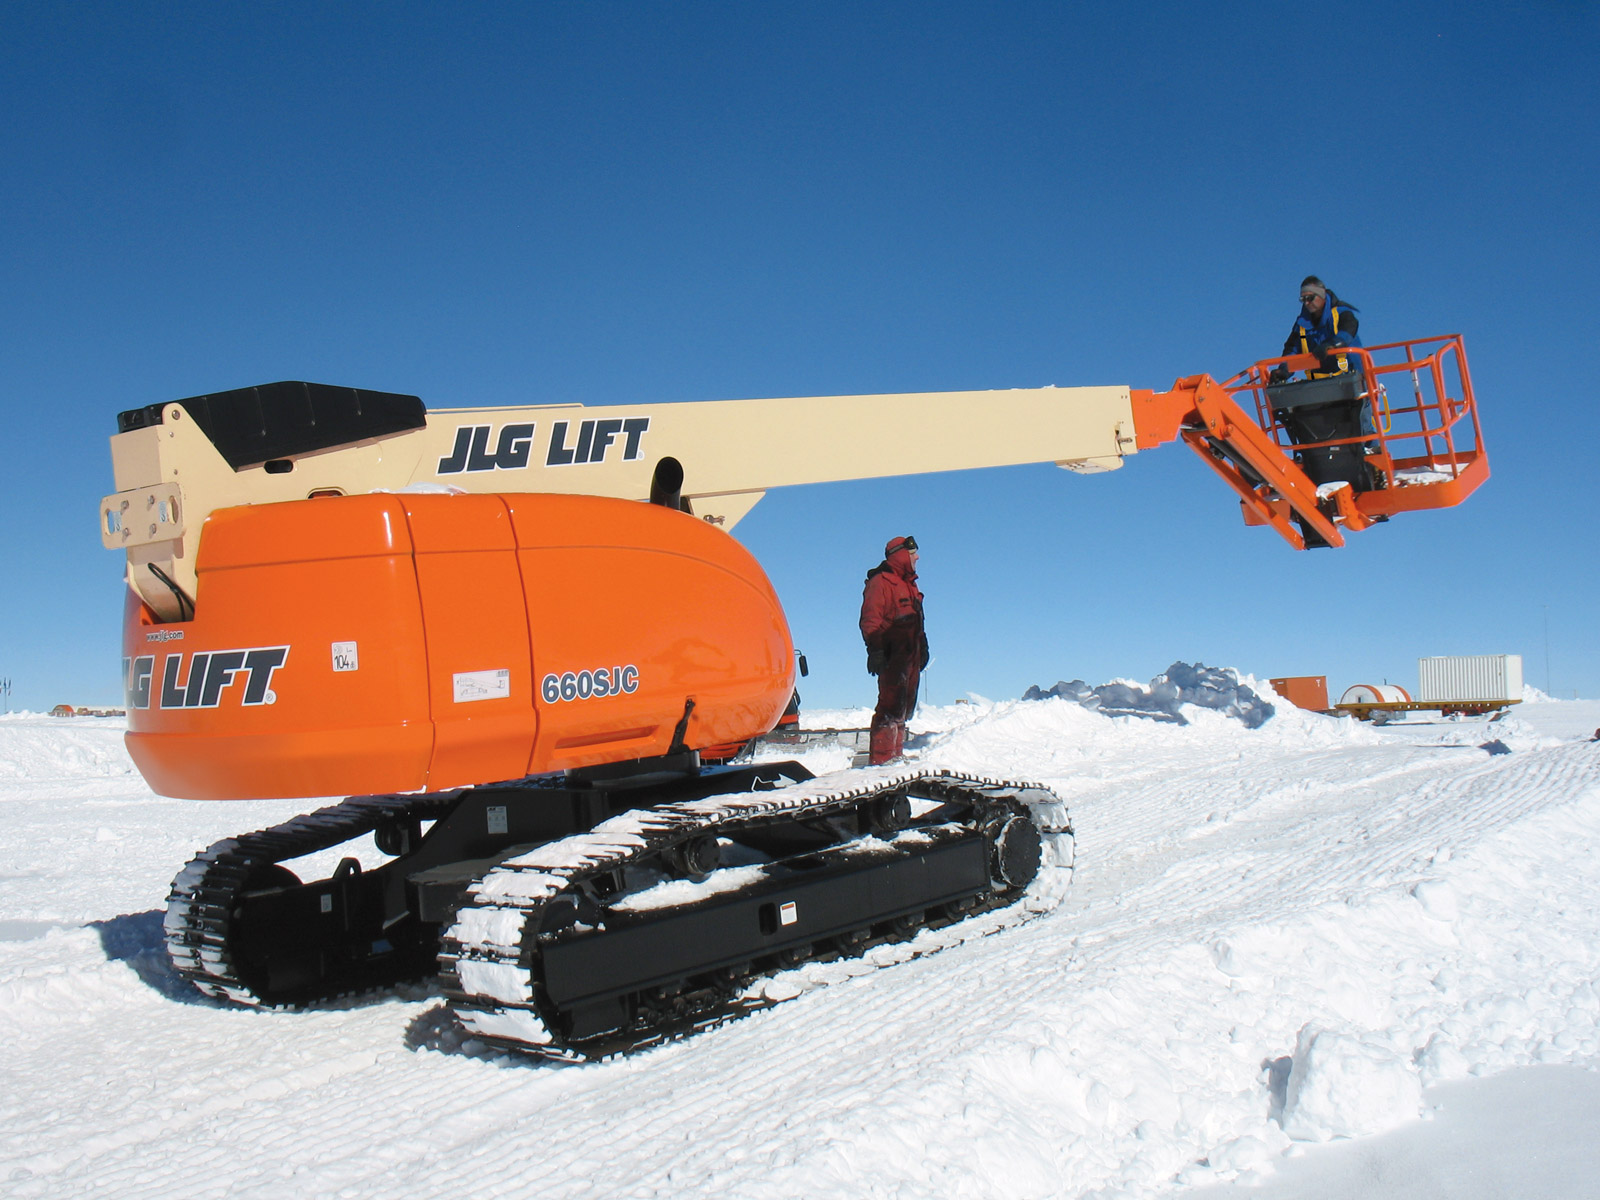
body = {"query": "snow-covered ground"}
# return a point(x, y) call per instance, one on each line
point(1277, 937)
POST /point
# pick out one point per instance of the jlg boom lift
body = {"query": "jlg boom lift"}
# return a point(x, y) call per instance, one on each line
point(508, 632)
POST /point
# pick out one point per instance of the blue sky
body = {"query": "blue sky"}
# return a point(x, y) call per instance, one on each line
point(626, 202)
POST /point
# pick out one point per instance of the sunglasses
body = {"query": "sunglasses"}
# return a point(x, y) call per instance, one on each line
point(909, 544)
point(1309, 297)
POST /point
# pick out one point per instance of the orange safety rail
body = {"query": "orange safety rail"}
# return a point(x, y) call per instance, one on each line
point(1256, 457)
point(1430, 450)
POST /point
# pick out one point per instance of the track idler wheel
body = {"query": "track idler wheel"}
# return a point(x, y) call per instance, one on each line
point(395, 838)
point(889, 814)
point(693, 859)
point(1015, 853)
point(268, 877)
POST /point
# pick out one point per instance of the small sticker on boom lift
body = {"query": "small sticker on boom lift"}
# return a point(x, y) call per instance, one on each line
point(344, 657)
point(788, 913)
point(481, 685)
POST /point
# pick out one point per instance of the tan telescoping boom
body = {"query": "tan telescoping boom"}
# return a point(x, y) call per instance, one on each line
point(1306, 463)
point(170, 475)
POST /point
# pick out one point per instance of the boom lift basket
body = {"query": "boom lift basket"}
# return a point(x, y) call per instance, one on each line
point(1335, 453)
point(1421, 448)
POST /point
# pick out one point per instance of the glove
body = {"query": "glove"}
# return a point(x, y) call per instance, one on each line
point(1280, 374)
point(877, 658)
point(925, 655)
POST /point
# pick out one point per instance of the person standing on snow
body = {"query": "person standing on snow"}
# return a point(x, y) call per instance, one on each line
point(897, 646)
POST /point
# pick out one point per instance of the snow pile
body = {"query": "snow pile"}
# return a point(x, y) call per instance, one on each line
point(835, 718)
point(39, 749)
point(1164, 698)
point(1342, 1085)
point(1504, 733)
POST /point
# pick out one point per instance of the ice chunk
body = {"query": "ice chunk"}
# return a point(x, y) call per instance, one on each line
point(1342, 1085)
point(1183, 683)
point(1440, 1062)
point(1438, 899)
point(1251, 1154)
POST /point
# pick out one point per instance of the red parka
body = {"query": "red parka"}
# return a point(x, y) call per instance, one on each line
point(891, 624)
point(891, 596)
point(891, 614)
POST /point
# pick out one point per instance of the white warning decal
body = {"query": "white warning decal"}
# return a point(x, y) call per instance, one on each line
point(481, 685)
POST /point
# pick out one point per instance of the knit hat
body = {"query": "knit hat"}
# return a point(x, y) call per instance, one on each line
point(899, 543)
point(1314, 286)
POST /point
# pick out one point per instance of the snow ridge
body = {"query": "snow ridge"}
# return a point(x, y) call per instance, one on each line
point(1181, 684)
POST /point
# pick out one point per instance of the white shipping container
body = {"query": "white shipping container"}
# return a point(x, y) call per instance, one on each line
point(1470, 677)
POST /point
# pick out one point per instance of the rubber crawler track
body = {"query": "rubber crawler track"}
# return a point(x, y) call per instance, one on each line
point(201, 903)
point(489, 945)
point(489, 958)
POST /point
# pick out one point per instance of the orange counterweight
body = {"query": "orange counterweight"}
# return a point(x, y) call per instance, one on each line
point(388, 643)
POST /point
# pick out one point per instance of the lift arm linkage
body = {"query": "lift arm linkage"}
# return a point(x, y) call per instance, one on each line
point(1270, 485)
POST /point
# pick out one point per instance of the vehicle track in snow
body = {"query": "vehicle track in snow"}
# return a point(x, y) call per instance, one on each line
point(1231, 886)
